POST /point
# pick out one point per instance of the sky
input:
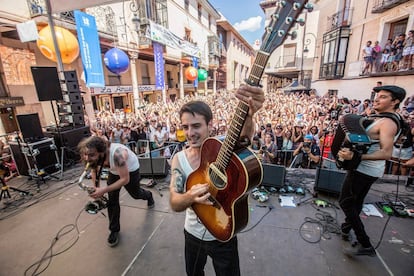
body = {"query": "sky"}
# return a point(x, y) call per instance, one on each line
point(245, 15)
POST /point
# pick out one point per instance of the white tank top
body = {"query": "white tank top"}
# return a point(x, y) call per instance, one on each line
point(192, 224)
point(132, 162)
point(374, 168)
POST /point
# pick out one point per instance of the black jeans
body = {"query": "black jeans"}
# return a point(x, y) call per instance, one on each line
point(351, 200)
point(225, 256)
point(133, 188)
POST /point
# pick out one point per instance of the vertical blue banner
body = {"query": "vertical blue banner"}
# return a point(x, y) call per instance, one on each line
point(159, 66)
point(90, 49)
point(195, 65)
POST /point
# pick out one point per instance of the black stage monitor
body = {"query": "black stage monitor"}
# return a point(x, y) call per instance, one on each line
point(47, 83)
point(30, 127)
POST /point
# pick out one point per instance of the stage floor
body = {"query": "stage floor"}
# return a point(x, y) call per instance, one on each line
point(51, 225)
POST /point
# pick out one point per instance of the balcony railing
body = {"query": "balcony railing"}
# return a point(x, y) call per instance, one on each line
point(104, 16)
point(383, 5)
point(340, 19)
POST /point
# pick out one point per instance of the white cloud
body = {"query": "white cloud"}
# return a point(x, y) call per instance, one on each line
point(251, 24)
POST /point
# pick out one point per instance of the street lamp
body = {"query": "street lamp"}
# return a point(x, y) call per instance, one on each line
point(305, 50)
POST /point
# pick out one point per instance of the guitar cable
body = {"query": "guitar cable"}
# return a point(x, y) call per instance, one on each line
point(271, 207)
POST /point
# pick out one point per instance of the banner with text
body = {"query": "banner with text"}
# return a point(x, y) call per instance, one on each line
point(90, 49)
point(159, 66)
point(195, 65)
point(166, 37)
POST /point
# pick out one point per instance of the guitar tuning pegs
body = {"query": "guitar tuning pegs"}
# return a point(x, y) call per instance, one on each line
point(282, 33)
point(282, 3)
point(275, 16)
point(296, 6)
point(301, 22)
point(309, 7)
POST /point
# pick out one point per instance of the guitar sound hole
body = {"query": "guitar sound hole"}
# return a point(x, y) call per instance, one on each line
point(216, 178)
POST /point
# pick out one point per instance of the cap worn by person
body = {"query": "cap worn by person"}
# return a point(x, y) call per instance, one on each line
point(308, 136)
point(398, 92)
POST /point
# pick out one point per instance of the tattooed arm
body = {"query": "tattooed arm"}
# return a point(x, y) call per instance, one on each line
point(180, 199)
point(120, 162)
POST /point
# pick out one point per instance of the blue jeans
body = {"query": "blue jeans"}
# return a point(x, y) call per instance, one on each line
point(225, 256)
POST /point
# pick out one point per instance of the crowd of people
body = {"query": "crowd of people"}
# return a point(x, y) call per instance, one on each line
point(274, 125)
point(396, 54)
point(287, 118)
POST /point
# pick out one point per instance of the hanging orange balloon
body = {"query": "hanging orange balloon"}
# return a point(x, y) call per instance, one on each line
point(191, 73)
point(68, 44)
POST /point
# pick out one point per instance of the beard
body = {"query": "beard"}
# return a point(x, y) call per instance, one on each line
point(95, 164)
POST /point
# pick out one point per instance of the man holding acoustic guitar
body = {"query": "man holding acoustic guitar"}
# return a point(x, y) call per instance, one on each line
point(189, 191)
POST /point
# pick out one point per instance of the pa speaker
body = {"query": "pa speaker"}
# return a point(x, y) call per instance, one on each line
point(329, 181)
point(47, 83)
point(159, 166)
point(70, 138)
point(273, 175)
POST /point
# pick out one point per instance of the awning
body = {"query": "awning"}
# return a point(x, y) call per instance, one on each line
point(295, 86)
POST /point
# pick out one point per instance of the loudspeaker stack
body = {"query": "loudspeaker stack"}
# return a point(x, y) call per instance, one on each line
point(71, 108)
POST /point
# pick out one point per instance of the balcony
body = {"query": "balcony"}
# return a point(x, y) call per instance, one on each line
point(104, 16)
point(340, 19)
point(381, 6)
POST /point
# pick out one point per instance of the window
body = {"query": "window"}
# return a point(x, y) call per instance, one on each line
point(397, 28)
point(289, 55)
point(209, 22)
point(334, 50)
point(157, 11)
point(146, 79)
point(187, 35)
point(161, 15)
point(186, 4)
point(200, 11)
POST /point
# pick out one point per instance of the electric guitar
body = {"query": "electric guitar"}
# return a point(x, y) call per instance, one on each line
point(232, 172)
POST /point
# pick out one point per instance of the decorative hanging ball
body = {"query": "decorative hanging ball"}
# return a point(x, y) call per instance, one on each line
point(67, 42)
point(202, 74)
point(116, 61)
point(191, 73)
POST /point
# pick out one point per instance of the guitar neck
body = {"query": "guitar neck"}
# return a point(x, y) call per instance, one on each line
point(240, 114)
point(258, 68)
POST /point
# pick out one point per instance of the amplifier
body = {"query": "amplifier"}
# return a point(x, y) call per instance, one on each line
point(273, 175)
point(159, 166)
point(329, 181)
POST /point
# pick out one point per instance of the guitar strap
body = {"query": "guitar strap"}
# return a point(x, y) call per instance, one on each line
point(352, 125)
point(98, 174)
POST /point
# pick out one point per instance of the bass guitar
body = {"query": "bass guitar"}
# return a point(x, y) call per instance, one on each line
point(233, 171)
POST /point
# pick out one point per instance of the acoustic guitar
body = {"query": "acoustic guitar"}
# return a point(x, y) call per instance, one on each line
point(233, 171)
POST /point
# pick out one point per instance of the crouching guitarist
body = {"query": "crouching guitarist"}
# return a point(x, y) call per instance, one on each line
point(383, 132)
